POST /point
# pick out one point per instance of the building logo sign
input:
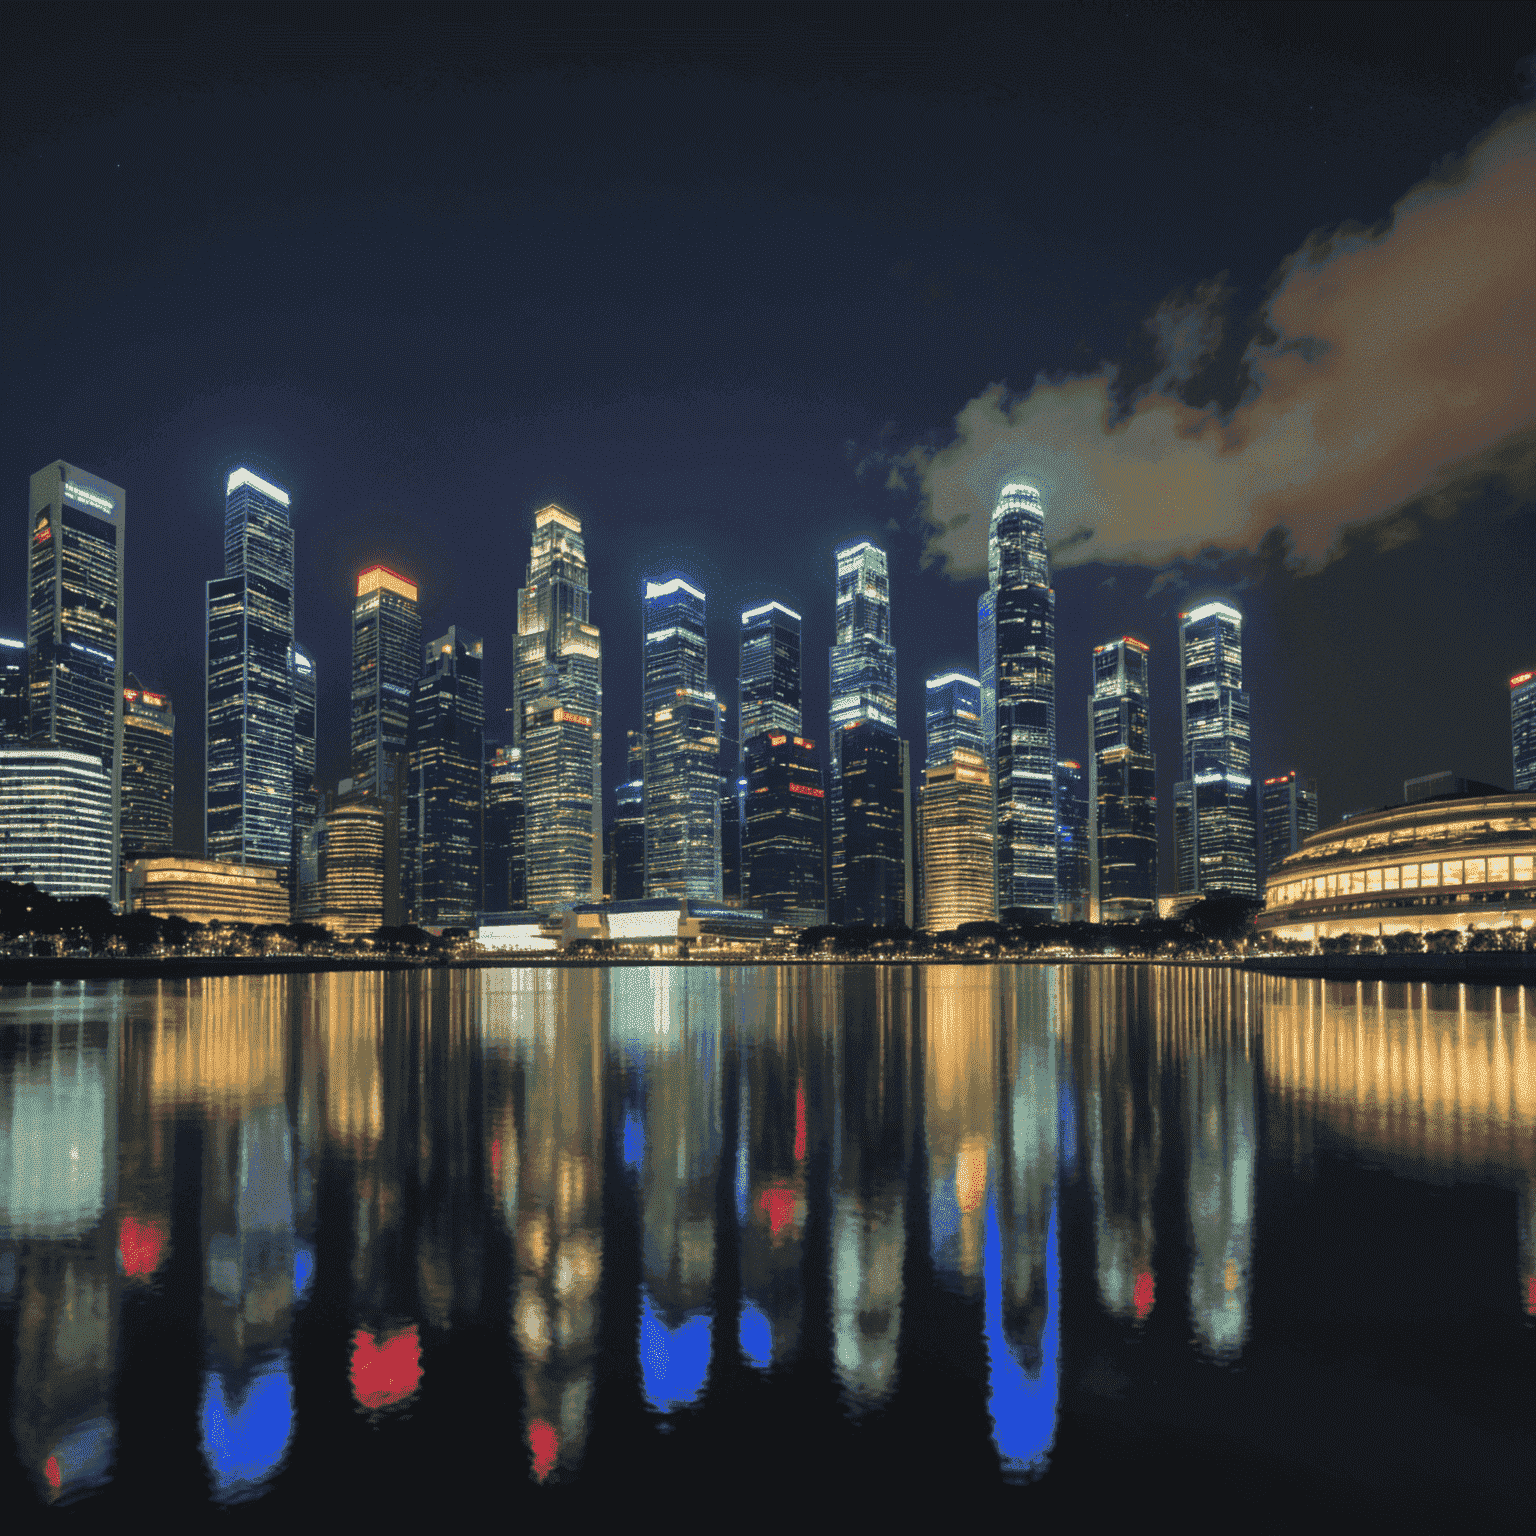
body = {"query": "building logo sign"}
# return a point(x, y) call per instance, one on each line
point(85, 497)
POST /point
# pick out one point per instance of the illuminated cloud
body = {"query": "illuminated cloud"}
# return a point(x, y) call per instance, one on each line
point(1397, 366)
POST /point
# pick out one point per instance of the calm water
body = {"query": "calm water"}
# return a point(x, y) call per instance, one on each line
point(1134, 1240)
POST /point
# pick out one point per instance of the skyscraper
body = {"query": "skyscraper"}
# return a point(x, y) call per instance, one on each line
point(957, 839)
point(784, 836)
point(1017, 642)
point(769, 689)
point(863, 691)
point(1214, 813)
point(149, 768)
point(680, 719)
point(248, 817)
point(13, 692)
point(306, 795)
point(1522, 728)
point(1289, 815)
point(953, 718)
point(1122, 785)
point(56, 821)
point(876, 830)
point(386, 661)
point(1073, 882)
point(730, 809)
point(75, 537)
point(447, 744)
point(504, 849)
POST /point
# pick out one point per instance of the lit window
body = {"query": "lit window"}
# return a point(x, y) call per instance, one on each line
point(1429, 874)
point(1498, 869)
point(1450, 872)
point(1521, 865)
point(1373, 879)
point(1389, 879)
point(1410, 877)
point(1356, 882)
point(1476, 871)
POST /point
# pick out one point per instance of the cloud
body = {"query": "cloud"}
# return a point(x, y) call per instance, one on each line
point(1392, 365)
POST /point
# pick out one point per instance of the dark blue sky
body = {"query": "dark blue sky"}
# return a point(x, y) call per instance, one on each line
point(685, 271)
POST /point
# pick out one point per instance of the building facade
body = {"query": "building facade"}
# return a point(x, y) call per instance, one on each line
point(1122, 785)
point(13, 692)
point(56, 827)
point(306, 794)
point(1017, 644)
point(785, 832)
point(505, 878)
point(348, 893)
point(1522, 728)
point(1215, 822)
point(148, 800)
point(248, 815)
point(958, 805)
point(75, 537)
point(768, 694)
point(1288, 816)
point(558, 716)
point(732, 811)
point(208, 891)
point(1073, 880)
point(877, 837)
point(953, 718)
point(680, 719)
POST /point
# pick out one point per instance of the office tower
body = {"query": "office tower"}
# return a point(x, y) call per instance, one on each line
point(731, 812)
point(1017, 641)
point(628, 842)
point(1522, 728)
point(559, 707)
point(680, 719)
point(75, 540)
point(504, 872)
point(1289, 811)
point(1214, 814)
point(954, 718)
point(248, 817)
point(863, 691)
point(306, 796)
point(386, 661)
point(1072, 878)
point(877, 837)
point(56, 827)
point(348, 896)
point(957, 841)
point(148, 799)
point(447, 746)
point(768, 696)
point(13, 692)
point(1122, 785)
point(784, 834)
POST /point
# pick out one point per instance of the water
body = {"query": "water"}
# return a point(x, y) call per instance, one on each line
point(1110, 1241)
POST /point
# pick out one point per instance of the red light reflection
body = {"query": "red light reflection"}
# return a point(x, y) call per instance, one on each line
point(51, 1472)
point(778, 1200)
point(1141, 1297)
point(545, 1445)
point(140, 1244)
point(386, 1368)
point(496, 1161)
point(800, 1121)
point(1530, 1295)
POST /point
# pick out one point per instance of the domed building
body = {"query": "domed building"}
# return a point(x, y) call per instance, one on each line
point(1459, 862)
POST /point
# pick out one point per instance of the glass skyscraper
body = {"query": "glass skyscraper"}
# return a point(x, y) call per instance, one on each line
point(75, 537)
point(504, 852)
point(1289, 814)
point(769, 690)
point(13, 691)
point(248, 817)
point(1122, 785)
point(784, 837)
point(1522, 728)
point(149, 768)
point(1017, 642)
point(876, 830)
point(1215, 832)
point(1073, 882)
point(306, 795)
point(730, 809)
point(558, 716)
point(953, 718)
point(386, 661)
point(681, 723)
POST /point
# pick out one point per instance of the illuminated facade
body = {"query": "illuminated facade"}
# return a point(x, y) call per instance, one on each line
point(957, 842)
point(1017, 643)
point(1522, 728)
point(1215, 832)
point(207, 890)
point(13, 692)
point(628, 831)
point(386, 661)
point(1288, 805)
point(306, 795)
point(1073, 882)
point(248, 816)
point(504, 871)
point(785, 834)
point(1122, 785)
point(681, 723)
point(447, 745)
point(877, 838)
point(557, 716)
point(731, 810)
point(56, 821)
point(75, 535)
point(149, 763)
point(348, 893)
point(769, 689)
point(1457, 863)
point(953, 718)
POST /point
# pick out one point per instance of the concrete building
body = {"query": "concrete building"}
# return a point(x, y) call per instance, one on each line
point(207, 890)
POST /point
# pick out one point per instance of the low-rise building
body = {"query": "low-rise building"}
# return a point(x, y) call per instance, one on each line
point(56, 821)
point(208, 890)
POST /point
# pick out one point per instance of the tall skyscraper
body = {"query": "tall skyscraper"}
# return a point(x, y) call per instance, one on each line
point(863, 691)
point(730, 810)
point(957, 839)
point(75, 537)
point(306, 794)
point(248, 816)
point(1073, 882)
point(954, 718)
point(769, 690)
point(1122, 785)
point(1522, 728)
point(505, 883)
point(1289, 811)
point(386, 661)
point(149, 773)
point(13, 692)
point(876, 827)
point(784, 837)
point(1017, 642)
point(447, 745)
point(680, 719)
point(1215, 832)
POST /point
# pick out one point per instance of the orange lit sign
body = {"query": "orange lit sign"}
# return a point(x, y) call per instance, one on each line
point(1127, 640)
point(570, 718)
point(807, 789)
point(1067, 762)
point(379, 578)
point(1523, 677)
point(555, 514)
point(43, 534)
point(806, 742)
point(777, 741)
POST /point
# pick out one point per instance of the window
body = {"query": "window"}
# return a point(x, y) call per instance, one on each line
point(1450, 872)
point(1429, 874)
point(1498, 869)
point(1373, 879)
point(1410, 877)
point(1389, 878)
point(1476, 871)
point(1356, 882)
point(1520, 866)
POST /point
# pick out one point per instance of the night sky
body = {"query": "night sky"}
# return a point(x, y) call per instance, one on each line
point(1247, 292)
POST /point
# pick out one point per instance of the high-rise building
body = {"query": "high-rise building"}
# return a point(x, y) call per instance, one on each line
point(348, 893)
point(1215, 832)
point(56, 821)
point(1522, 729)
point(248, 815)
point(769, 689)
point(306, 794)
point(863, 691)
point(1289, 811)
point(149, 773)
point(386, 661)
point(504, 872)
point(784, 836)
point(876, 825)
point(954, 718)
point(13, 692)
point(75, 537)
point(1122, 785)
point(681, 723)
point(558, 719)
point(731, 811)
point(957, 839)
point(1073, 882)
point(1017, 642)
point(447, 745)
